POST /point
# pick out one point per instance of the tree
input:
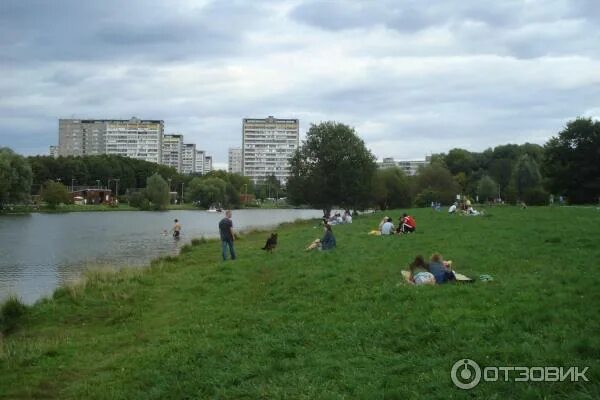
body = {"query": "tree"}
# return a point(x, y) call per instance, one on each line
point(487, 188)
point(15, 177)
point(571, 161)
point(55, 193)
point(157, 192)
point(208, 191)
point(526, 175)
point(391, 188)
point(460, 160)
point(332, 167)
point(435, 183)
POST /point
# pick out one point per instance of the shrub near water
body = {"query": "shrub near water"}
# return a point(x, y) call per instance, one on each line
point(10, 313)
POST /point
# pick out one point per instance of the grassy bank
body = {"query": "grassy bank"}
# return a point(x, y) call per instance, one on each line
point(337, 324)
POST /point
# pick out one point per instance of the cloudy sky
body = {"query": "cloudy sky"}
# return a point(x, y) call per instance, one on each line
point(413, 77)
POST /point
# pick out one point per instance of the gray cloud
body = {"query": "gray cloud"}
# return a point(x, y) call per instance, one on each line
point(411, 77)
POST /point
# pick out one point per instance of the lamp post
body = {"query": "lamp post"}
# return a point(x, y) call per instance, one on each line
point(98, 184)
point(181, 202)
point(72, 184)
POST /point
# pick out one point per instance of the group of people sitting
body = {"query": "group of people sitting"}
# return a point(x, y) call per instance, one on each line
point(406, 224)
point(436, 271)
point(465, 208)
point(338, 218)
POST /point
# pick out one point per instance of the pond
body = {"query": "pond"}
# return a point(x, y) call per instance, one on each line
point(39, 252)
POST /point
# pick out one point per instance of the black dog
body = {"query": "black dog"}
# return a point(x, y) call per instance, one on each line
point(271, 243)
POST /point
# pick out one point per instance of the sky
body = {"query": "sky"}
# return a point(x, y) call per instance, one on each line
point(412, 77)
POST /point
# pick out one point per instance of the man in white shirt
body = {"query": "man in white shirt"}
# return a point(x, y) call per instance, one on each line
point(387, 228)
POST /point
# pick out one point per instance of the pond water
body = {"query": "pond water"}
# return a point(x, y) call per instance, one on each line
point(39, 252)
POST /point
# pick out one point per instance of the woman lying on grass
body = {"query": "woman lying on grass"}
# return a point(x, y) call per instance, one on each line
point(437, 271)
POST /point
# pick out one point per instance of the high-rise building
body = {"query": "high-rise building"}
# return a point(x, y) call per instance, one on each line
point(267, 146)
point(53, 151)
point(81, 137)
point(207, 164)
point(188, 158)
point(235, 160)
point(172, 151)
point(135, 138)
point(199, 167)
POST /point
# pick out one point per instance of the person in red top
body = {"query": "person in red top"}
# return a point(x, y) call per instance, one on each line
point(408, 224)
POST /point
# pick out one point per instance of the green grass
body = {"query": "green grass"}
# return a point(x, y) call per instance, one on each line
point(331, 325)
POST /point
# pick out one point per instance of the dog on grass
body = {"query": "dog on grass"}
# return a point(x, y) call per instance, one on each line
point(271, 243)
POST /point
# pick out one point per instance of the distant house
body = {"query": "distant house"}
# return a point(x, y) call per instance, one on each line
point(92, 195)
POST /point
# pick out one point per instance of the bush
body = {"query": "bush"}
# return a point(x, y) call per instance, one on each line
point(137, 199)
point(10, 313)
point(536, 196)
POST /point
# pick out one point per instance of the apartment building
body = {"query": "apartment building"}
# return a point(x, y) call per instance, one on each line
point(235, 160)
point(409, 167)
point(135, 138)
point(267, 146)
point(208, 166)
point(172, 151)
point(188, 158)
point(199, 166)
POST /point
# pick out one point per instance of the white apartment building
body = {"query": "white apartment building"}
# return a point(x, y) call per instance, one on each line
point(409, 167)
point(53, 151)
point(207, 164)
point(199, 166)
point(135, 138)
point(172, 151)
point(235, 160)
point(267, 146)
point(188, 158)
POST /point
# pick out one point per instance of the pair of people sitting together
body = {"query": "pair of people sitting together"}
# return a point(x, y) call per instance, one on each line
point(436, 271)
point(406, 224)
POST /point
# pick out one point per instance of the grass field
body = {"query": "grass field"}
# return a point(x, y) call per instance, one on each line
point(330, 325)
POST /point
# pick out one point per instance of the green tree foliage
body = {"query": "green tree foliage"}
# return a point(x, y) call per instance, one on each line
point(487, 188)
point(55, 193)
point(157, 192)
point(208, 191)
point(526, 175)
point(332, 167)
point(571, 161)
point(15, 177)
point(460, 160)
point(85, 171)
point(392, 189)
point(435, 183)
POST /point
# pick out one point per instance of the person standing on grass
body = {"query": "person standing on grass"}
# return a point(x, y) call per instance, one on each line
point(226, 231)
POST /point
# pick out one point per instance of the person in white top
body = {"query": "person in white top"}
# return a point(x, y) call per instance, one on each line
point(387, 228)
point(452, 209)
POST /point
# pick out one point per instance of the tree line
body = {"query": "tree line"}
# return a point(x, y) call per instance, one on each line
point(333, 167)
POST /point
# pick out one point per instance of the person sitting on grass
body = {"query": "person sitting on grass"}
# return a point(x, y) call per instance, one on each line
point(439, 270)
point(407, 224)
point(419, 272)
point(327, 242)
point(387, 227)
